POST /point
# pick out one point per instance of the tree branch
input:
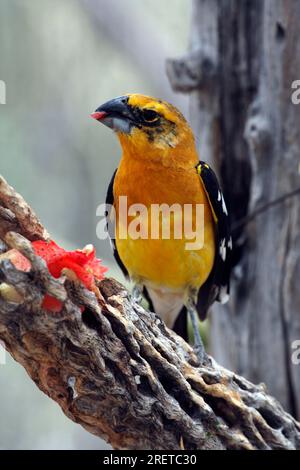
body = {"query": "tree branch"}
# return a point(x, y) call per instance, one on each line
point(116, 369)
point(196, 70)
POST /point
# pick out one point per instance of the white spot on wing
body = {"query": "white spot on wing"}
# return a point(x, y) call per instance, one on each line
point(222, 250)
point(229, 244)
point(223, 294)
point(224, 206)
point(219, 196)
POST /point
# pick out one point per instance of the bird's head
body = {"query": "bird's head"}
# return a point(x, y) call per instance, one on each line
point(146, 126)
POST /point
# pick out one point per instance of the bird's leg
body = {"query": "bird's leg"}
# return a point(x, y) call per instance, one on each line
point(198, 343)
point(137, 294)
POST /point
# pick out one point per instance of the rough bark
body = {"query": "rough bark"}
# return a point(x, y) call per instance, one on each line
point(115, 368)
point(249, 130)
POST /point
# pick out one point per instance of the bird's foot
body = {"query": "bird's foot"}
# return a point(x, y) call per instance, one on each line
point(136, 294)
point(198, 343)
point(202, 355)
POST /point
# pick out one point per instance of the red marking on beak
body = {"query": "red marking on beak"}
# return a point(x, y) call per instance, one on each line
point(98, 115)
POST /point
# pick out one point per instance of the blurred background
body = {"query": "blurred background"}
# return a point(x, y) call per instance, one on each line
point(60, 59)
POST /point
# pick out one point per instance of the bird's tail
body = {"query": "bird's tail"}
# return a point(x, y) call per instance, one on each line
point(181, 324)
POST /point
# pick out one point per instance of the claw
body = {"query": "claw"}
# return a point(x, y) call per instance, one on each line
point(198, 343)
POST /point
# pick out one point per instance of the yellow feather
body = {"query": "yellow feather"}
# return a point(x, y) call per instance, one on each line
point(162, 170)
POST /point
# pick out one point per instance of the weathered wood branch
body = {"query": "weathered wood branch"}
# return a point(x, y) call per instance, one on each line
point(116, 369)
point(191, 72)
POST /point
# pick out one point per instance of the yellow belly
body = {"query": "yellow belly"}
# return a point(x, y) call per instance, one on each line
point(163, 262)
point(167, 263)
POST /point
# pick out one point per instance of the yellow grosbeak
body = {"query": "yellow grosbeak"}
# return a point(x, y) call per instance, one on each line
point(160, 165)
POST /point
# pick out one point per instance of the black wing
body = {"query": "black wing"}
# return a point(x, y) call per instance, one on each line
point(217, 285)
point(111, 223)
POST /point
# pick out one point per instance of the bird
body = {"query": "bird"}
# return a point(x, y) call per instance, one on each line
point(159, 166)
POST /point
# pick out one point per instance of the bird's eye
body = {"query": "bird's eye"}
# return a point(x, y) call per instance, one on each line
point(149, 115)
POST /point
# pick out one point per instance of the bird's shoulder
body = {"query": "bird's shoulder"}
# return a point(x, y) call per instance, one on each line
point(217, 285)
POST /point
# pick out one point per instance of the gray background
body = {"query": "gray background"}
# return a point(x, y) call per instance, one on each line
point(60, 59)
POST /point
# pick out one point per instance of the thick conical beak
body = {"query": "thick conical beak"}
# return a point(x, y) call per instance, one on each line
point(115, 114)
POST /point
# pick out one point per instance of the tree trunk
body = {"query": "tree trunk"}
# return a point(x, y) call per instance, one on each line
point(115, 368)
point(244, 57)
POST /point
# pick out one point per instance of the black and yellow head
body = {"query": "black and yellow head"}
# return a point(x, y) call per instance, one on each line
point(141, 120)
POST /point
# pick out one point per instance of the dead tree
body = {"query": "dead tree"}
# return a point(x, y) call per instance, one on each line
point(244, 57)
point(115, 368)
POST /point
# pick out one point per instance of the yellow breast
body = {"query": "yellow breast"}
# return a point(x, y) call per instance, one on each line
point(173, 262)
